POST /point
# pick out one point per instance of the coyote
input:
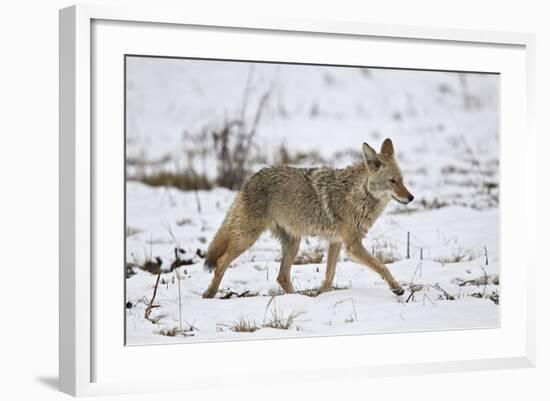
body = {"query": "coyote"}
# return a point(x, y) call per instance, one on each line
point(339, 205)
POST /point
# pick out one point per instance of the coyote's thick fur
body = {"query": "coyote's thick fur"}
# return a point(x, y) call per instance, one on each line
point(339, 205)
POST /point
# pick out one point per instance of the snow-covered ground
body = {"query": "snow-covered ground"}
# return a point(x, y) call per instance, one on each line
point(448, 280)
point(445, 130)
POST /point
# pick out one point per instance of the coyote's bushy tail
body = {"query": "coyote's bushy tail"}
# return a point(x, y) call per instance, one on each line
point(218, 246)
point(239, 230)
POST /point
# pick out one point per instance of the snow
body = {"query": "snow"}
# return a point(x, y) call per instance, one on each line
point(445, 130)
point(361, 302)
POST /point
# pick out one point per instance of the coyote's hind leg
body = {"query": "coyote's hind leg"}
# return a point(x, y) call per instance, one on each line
point(290, 246)
point(235, 248)
point(332, 257)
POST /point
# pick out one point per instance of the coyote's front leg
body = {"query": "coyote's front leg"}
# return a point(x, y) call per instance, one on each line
point(358, 252)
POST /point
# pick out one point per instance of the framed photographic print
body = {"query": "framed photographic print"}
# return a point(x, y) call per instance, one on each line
point(342, 195)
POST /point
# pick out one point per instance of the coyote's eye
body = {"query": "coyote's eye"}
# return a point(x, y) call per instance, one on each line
point(392, 181)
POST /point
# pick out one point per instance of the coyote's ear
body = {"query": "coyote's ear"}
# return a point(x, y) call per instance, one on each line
point(387, 147)
point(371, 158)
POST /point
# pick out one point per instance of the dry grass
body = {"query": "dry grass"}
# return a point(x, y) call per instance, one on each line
point(483, 280)
point(185, 180)
point(132, 231)
point(184, 221)
point(285, 156)
point(312, 292)
point(227, 294)
point(278, 320)
point(459, 255)
point(152, 266)
point(385, 251)
point(187, 330)
point(174, 331)
point(245, 326)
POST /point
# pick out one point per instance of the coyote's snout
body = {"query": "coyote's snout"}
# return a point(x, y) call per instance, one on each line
point(339, 205)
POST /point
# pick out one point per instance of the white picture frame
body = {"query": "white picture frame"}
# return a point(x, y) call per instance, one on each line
point(85, 353)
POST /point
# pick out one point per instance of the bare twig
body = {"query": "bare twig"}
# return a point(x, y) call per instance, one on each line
point(151, 306)
point(429, 299)
point(486, 280)
point(267, 307)
point(199, 209)
point(229, 294)
point(179, 288)
point(413, 289)
point(353, 315)
point(418, 268)
point(408, 245)
point(445, 293)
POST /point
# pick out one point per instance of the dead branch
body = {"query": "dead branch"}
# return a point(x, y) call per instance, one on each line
point(229, 294)
point(150, 306)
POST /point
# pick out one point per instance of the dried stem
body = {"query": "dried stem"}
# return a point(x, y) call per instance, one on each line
point(150, 306)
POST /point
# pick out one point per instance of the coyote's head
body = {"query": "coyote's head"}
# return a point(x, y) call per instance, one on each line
point(385, 176)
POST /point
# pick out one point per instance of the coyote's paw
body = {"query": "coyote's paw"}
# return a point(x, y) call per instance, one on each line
point(324, 288)
point(398, 291)
point(209, 294)
point(285, 284)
